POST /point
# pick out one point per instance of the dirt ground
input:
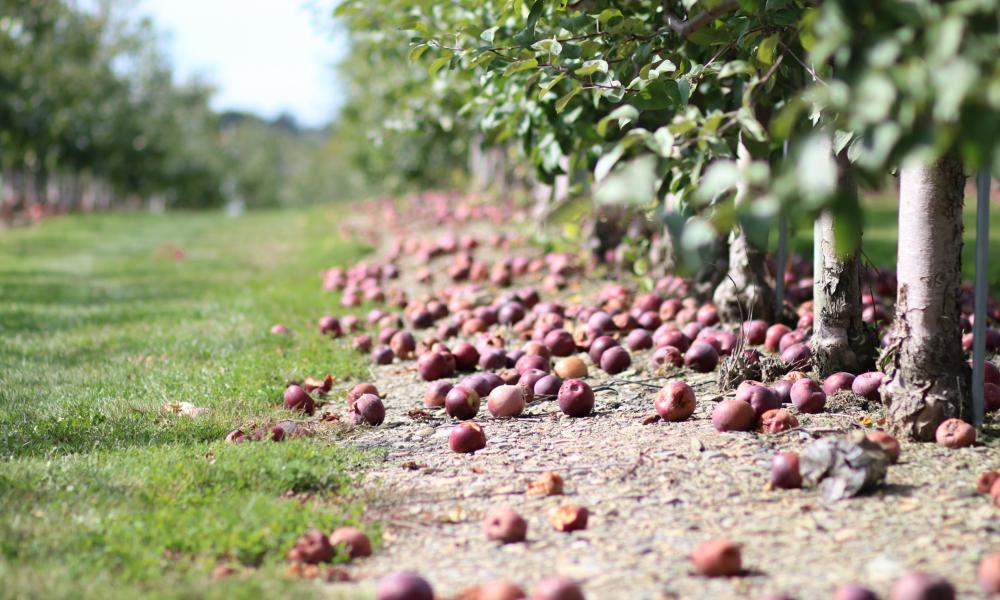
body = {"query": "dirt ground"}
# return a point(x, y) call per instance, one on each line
point(654, 491)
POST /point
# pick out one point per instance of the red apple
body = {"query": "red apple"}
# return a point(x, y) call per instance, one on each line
point(675, 401)
point(467, 438)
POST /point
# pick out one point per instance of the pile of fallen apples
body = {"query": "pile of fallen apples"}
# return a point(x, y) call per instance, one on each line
point(512, 348)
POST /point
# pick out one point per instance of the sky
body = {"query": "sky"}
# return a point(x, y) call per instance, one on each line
point(263, 56)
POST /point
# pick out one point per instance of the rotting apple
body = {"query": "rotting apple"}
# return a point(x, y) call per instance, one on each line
point(675, 401)
point(367, 409)
point(467, 437)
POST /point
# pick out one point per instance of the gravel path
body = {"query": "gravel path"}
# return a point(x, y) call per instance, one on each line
point(654, 491)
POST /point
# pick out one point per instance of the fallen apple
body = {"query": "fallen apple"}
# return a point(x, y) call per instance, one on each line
point(506, 401)
point(360, 390)
point(701, 357)
point(462, 402)
point(955, 433)
point(675, 401)
point(733, 415)
point(351, 542)
point(505, 525)
point(557, 588)
point(575, 398)
point(717, 558)
point(312, 547)
point(383, 355)
point(921, 586)
point(403, 585)
point(989, 574)
point(571, 367)
point(367, 409)
point(854, 591)
point(785, 472)
point(807, 396)
point(467, 438)
point(867, 385)
point(777, 420)
point(298, 399)
point(888, 443)
point(568, 517)
point(436, 393)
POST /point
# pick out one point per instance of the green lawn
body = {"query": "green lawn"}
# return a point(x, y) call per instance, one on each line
point(880, 225)
point(103, 494)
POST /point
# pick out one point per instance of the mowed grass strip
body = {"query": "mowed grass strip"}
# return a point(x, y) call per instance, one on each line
point(103, 319)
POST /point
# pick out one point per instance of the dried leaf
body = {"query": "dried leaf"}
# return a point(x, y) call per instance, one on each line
point(843, 468)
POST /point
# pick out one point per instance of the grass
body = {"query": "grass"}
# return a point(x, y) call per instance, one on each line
point(880, 229)
point(105, 318)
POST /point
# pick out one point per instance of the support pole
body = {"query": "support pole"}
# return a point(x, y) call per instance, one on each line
point(781, 259)
point(979, 324)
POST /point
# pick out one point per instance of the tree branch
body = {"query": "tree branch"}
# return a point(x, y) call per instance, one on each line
point(693, 24)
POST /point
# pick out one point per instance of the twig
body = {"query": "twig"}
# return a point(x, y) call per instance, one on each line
point(693, 24)
point(641, 382)
point(808, 69)
point(635, 466)
point(811, 431)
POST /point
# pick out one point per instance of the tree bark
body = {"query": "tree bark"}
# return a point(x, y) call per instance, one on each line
point(928, 379)
point(744, 293)
point(840, 340)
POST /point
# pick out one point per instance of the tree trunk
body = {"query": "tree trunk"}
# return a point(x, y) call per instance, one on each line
point(928, 380)
point(840, 340)
point(744, 293)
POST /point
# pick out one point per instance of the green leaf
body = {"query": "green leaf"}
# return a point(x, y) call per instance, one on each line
point(521, 65)
point(623, 114)
point(607, 162)
point(571, 51)
point(562, 102)
point(876, 95)
point(438, 64)
point(488, 34)
point(766, 49)
point(607, 14)
point(548, 85)
point(735, 67)
point(720, 176)
point(816, 170)
point(635, 183)
point(550, 46)
point(665, 66)
point(751, 125)
point(661, 142)
point(657, 96)
point(592, 66)
point(841, 139)
point(417, 51)
point(483, 59)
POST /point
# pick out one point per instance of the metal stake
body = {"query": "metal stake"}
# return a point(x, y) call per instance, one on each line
point(979, 325)
point(781, 258)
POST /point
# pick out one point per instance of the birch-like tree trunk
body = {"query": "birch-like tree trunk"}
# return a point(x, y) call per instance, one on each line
point(928, 379)
point(840, 340)
point(745, 292)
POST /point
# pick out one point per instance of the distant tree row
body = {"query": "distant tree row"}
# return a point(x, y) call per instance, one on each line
point(92, 117)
